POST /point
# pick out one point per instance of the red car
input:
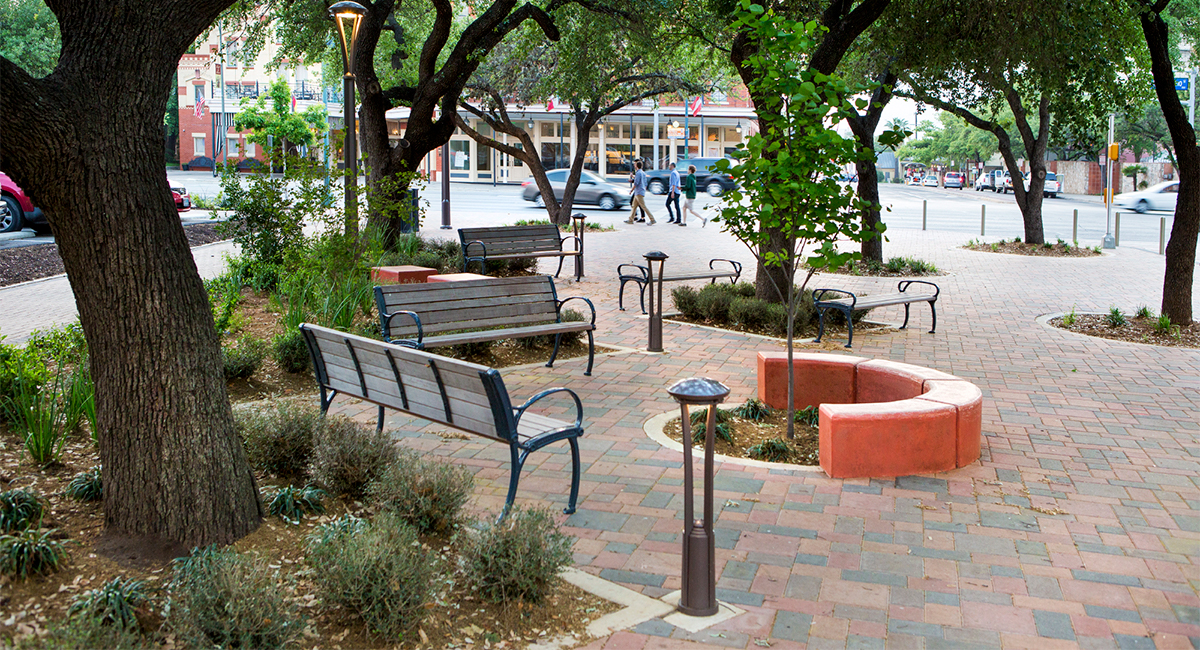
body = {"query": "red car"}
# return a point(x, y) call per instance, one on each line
point(17, 211)
point(183, 202)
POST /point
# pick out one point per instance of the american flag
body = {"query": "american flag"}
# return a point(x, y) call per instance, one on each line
point(550, 104)
point(200, 107)
point(696, 105)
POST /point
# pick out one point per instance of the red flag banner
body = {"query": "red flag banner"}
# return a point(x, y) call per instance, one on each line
point(696, 105)
point(199, 107)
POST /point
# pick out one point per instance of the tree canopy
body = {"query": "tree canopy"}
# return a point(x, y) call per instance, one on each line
point(29, 36)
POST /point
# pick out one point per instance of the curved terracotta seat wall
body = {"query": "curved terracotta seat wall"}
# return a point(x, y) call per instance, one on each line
point(879, 418)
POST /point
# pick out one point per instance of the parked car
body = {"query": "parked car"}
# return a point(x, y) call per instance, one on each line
point(985, 182)
point(17, 211)
point(592, 190)
point(913, 180)
point(953, 179)
point(706, 179)
point(1160, 196)
point(930, 181)
point(1004, 184)
point(183, 201)
point(1052, 187)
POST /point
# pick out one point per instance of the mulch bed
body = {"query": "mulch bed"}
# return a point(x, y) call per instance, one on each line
point(880, 271)
point(748, 433)
point(1059, 249)
point(1135, 330)
point(24, 263)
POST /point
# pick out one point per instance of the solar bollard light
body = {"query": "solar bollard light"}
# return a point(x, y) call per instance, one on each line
point(698, 593)
point(655, 343)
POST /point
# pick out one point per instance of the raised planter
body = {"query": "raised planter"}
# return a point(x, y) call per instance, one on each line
point(404, 274)
point(879, 418)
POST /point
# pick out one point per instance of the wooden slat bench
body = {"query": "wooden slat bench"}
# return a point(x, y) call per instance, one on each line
point(851, 303)
point(466, 396)
point(641, 275)
point(511, 242)
point(449, 313)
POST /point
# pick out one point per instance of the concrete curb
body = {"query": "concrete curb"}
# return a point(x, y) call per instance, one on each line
point(20, 234)
point(654, 430)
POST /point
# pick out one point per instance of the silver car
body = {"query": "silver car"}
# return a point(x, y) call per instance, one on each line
point(592, 190)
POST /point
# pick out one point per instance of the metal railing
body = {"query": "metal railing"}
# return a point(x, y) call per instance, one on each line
point(301, 90)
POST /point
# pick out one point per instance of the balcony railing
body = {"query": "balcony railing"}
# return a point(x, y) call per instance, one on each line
point(301, 90)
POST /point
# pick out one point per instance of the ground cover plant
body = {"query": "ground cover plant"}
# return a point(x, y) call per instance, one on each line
point(734, 306)
point(1143, 327)
point(893, 267)
point(757, 431)
point(1017, 247)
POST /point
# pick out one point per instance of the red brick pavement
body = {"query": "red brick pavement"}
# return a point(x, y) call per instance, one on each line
point(1078, 528)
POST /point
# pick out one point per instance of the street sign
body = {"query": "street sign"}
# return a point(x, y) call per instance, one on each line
point(674, 132)
point(1181, 83)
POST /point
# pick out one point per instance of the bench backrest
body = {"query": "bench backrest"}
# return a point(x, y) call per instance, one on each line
point(511, 240)
point(471, 304)
point(463, 395)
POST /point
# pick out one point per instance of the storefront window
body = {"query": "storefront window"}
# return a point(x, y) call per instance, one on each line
point(483, 157)
point(732, 135)
point(549, 130)
point(714, 133)
point(460, 154)
point(591, 161)
point(646, 153)
point(554, 155)
point(619, 159)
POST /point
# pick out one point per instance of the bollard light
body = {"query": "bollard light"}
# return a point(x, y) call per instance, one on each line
point(659, 257)
point(578, 218)
point(698, 591)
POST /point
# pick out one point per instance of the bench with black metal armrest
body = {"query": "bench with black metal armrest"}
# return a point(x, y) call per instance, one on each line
point(852, 303)
point(512, 242)
point(450, 313)
point(641, 275)
point(466, 396)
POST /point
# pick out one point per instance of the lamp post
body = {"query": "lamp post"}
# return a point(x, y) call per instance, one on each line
point(698, 591)
point(655, 318)
point(352, 12)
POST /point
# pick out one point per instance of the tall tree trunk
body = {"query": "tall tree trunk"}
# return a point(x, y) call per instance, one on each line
point(174, 467)
point(863, 127)
point(1181, 249)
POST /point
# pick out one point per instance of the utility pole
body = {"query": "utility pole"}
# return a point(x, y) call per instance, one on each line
point(1109, 241)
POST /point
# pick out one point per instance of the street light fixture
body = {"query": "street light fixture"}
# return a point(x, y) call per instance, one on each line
point(341, 12)
point(738, 128)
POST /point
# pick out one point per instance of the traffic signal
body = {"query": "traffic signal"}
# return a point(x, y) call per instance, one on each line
point(1113, 150)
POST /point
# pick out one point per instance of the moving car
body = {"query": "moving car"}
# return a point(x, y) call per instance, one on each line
point(930, 181)
point(913, 180)
point(953, 179)
point(17, 211)
point(1160, 196)
point(591, 190)
point(706, 179)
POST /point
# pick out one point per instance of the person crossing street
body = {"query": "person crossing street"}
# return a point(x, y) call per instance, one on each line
point(689, 193)
point(673, 197)
point(638, 200)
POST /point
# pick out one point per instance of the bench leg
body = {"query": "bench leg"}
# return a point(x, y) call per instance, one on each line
point(850, 327)
point(933, 310)
point(591, 354)
point(905, 317)
point(379, 424)
point(642, 295)
point(820, 325)
point(554, 354)
point(570, 509)
point(560, 263)
point(518, 460)
point(326, 400)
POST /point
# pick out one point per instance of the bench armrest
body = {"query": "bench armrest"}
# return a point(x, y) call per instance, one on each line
point(558, 307)
point(642, 276)
point(737, 267)
point(467, 248)
point(578, 243)
point(520, 410)
point(387, 328)
point(818, 294)
point(905, 283)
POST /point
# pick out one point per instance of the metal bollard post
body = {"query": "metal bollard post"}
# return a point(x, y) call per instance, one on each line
point(1162, 235)
point(655, 343)
point(1117, 230)
point(982, 218)
point(578, 217)
point(698, 594)
point(924, 212)
point(1075, 227)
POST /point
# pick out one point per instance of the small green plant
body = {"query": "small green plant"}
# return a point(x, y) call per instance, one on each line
point(775, 450)
point(22, 373)
point(290, 351)
point(517, 558)
point(378, 570)
point(64, 344)
point(280, 440)
point(243, 358)
point(753, 409)
point(896, 264)
point(1047, 245)
point(722, 431)
point(113, 604)
point(1115, 318)
point(86, 486)
point(428, 495)
point(40, 414)
point(1016, 240)
point(343, 526)
point(84, 632)
point(291, 503)
point(810, 415)
point(995, 248)
point(347, 456)
point(31, 553)
point(1163, 324)
point(1069, 318)
point(79, 402)
point(921, 267)
point(19, 509)
point(220, 598)
point(1143, 312)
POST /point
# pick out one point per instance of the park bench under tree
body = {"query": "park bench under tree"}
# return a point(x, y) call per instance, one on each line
point(466, 396)
point(438, 314)
point(852, 303)
point(641, 275)
point(514, 242)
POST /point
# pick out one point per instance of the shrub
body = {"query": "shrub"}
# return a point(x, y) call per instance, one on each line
point(280, 440)
point(64, 344)
point(19, 509)
point(378, 570)
point(750, 313)
point(86, 486)
point(921, 267)
point(243, 358)
point(775, 320)
point(347, 456)
point(291, 504)
point(472, 350)
point(21, 373)
point(79, 399)
point(1144, 312)
point(516, 558)
point(752, 409)
point(429, 495)
point(896, 264)
point(221, 599)
point(809, 415)
point(290, 351)
point(714, 301)
point(81, 632)
point(112, 604)
point(1115, 318)
point(686, 301)
point(1163, 324)
point(775, 450)
point(31, 553)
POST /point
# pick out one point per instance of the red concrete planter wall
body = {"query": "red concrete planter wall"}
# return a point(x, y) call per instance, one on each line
point(879, 418)
point(406, 274)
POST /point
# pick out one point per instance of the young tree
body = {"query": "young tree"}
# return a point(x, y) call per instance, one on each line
point(174, 467)
point(277, 126)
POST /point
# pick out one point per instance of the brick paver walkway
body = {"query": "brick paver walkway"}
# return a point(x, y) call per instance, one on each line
point(1079, 528)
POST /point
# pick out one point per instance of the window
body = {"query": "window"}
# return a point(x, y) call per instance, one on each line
point(713, 133)
point(590, 159)
point(231, 146)
point(550, 130)
point(460, 154)
point(732, 135)
point(199, 89)
point(615, 131)
point(483, 156)
point(197, 144)
point(249, 149)
point(557, 176)
point(619, 158)
point(513, 160)
point(646, 153)
point(554, 155)
point(482, 128)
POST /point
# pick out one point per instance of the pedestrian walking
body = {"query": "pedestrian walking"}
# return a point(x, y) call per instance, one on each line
point(632, 176)
point(638, 199)
point(673, 197)
point(689, 198)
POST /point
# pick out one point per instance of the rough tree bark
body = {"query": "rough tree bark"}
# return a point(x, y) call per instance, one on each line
point(863, 127)
point(174, 468)
point(845, 22)
point(1181, 249)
